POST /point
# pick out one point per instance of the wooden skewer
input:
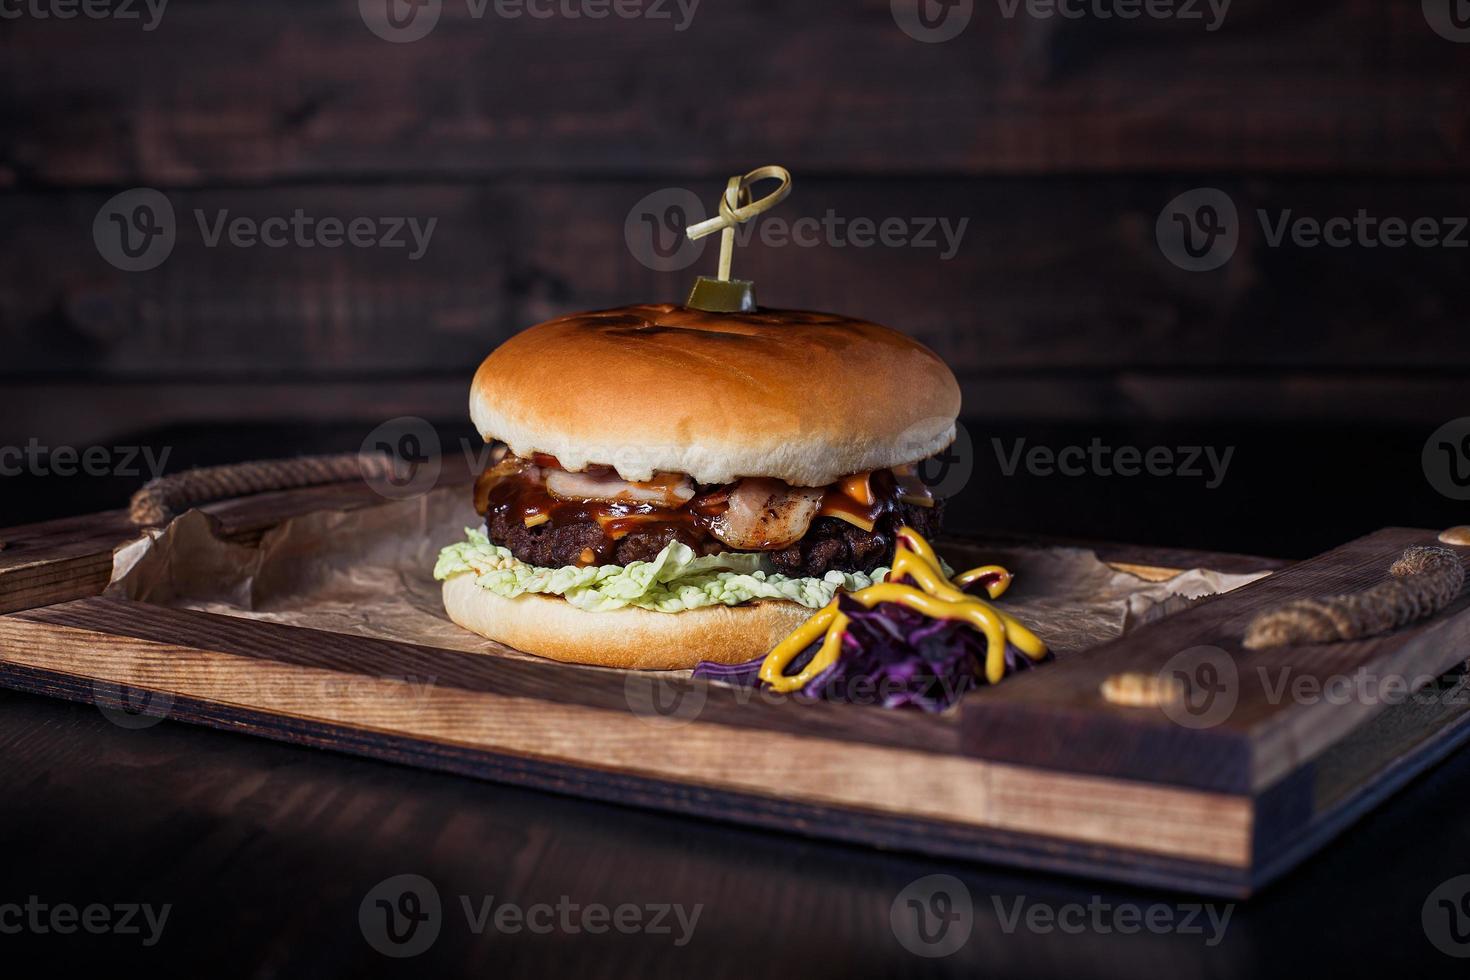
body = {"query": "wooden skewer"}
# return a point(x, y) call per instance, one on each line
point(737, 207)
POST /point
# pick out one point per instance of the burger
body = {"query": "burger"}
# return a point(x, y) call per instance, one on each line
point(666, 485)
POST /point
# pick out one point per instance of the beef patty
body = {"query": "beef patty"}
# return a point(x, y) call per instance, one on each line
point(553, 547)
point(833, 544)
point(829, 543)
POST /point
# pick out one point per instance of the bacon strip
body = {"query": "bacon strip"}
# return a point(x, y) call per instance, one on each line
point(766, 514)
point(668, 491)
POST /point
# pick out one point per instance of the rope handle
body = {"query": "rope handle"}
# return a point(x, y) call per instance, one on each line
point(1422, 582)
point(161, 499)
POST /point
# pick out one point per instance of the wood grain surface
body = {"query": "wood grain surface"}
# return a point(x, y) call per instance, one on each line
point(1041, 765)
point(531, 140)
point(1062, 275)
point(1267, 732)
point(1309, 86)
point(807, 768)
point(266, 852)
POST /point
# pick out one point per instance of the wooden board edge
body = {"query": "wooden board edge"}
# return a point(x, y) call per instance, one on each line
point(1283, 745)
point(1018, 723)
point(1274, 861)
point(935, 839)
point(1170, 822)
point(548, 680)
point(53, 582)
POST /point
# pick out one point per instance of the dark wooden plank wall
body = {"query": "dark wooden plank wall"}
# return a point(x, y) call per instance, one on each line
point(530, 141)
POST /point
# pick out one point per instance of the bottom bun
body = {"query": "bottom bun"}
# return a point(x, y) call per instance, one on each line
point(549, 626)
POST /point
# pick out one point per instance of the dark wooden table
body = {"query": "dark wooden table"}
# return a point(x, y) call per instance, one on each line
point(265, 853)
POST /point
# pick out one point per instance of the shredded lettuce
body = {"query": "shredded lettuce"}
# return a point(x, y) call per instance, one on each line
point(674, 581)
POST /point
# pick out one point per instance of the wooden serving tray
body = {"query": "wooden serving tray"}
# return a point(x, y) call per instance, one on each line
point(1040, 772)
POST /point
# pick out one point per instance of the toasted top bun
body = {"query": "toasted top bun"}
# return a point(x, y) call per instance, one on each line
point(807, 398)
point(641, 639)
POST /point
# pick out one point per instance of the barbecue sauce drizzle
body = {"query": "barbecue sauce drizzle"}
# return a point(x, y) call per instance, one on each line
point(511, 489)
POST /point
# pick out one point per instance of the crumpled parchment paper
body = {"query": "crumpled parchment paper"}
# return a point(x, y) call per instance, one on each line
point(368, 572)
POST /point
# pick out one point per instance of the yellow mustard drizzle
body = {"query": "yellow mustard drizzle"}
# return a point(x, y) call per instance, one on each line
point(996, 589)
point(936, 597)
point(825, 621)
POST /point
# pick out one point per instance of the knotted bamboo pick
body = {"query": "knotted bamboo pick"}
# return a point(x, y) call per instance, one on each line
point(724, 295)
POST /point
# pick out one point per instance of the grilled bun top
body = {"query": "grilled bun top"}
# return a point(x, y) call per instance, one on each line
point(807, 398)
